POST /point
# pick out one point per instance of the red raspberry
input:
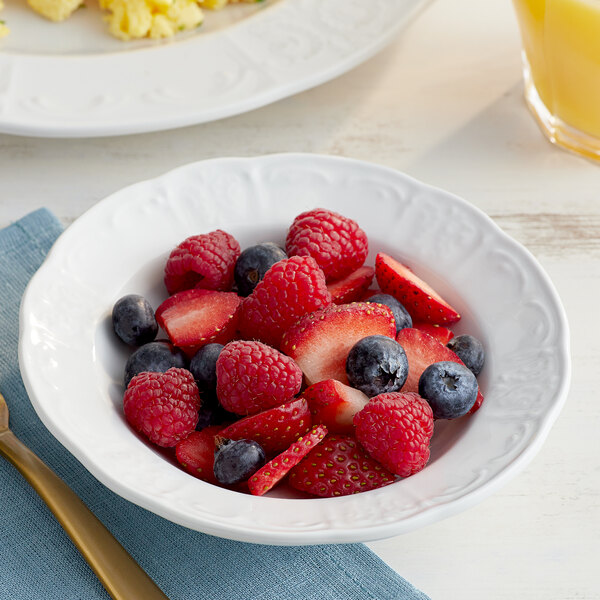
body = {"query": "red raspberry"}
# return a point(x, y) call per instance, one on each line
point(252, 377)
point(290, 289)
point(202, 261)
point(395, 429)
point(337, 243)
point(163, 406)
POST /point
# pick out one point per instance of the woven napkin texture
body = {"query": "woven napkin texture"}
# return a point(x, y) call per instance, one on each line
point(38, 560)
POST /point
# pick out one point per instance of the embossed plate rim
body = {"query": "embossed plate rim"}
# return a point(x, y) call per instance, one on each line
point(37, 92)
point(130, 468)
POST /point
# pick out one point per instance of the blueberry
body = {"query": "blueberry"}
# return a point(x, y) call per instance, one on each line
point(133, 320)
point(401, 315)
point(236, 460)
point(253, 263)
point(450, 388)
point(204, 367)
point(377, 364)
point(470, 350)
point(156, 357)
point(212, 413)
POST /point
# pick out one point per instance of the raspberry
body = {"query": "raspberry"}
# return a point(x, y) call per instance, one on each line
point(290, 289)
point(202, 261)
point(395, 429)
point(336, 242)
point(252, 377)
point(163, 406)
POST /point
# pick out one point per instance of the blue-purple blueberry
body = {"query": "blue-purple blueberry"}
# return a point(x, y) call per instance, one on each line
point(157, 357)
point(377, 364)
point(212, 412)
point(253, 263)
point(204, 367)
point(237, 460)
point(133, 320)
point(450, 388)
point(401, 316)
point(470, 350)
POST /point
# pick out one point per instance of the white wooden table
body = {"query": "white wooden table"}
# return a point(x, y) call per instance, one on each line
point(444, 104)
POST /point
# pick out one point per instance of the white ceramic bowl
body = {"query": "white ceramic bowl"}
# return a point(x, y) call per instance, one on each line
point(72, 365)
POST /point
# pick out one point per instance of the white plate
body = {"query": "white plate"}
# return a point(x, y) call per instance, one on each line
point(72, 365)
point(72, 80)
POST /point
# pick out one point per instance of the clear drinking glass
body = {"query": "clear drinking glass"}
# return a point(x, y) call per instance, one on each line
point(561, 67)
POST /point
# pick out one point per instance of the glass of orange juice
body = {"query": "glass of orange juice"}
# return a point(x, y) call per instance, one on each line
point(561, 66)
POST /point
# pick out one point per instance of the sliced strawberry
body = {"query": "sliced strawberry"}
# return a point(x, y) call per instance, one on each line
point(440, 333)
point(339, 466)
point(421, 301)
point(194, 318)
point(423, 350)
point(352, 287)
point(196, 453)
point(334, 404)
point(320, 341)
point(274, 429)
point(275, 470)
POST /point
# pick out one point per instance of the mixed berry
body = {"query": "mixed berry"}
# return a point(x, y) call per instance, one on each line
point(297, 364)
point(134, 321)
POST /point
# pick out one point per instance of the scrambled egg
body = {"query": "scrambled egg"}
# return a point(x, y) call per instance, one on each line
point(55, 10)
point(3, 28)
point(129, 19)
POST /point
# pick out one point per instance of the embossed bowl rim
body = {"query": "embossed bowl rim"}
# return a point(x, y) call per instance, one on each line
point(120, 245)
point(116, 93)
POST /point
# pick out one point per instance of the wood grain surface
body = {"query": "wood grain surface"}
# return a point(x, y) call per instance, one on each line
point(444, 104)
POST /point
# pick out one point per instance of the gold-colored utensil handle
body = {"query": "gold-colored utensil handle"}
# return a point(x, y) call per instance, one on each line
point(122, 577)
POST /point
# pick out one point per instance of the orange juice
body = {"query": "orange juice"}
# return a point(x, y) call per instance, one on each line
point(561, 42)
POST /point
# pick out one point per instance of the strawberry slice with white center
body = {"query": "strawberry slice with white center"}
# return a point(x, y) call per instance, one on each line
point(320, 341)
point(194, 318)
point(274, 429)
point(420, 299)
point(334, 404)
point(275, 470)
point(423, 350)
point(353, 287)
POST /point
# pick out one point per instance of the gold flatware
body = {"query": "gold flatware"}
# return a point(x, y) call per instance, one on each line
point(122, 577)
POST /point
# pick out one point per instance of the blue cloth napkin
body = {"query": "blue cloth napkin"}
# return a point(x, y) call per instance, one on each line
point(38, 560)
